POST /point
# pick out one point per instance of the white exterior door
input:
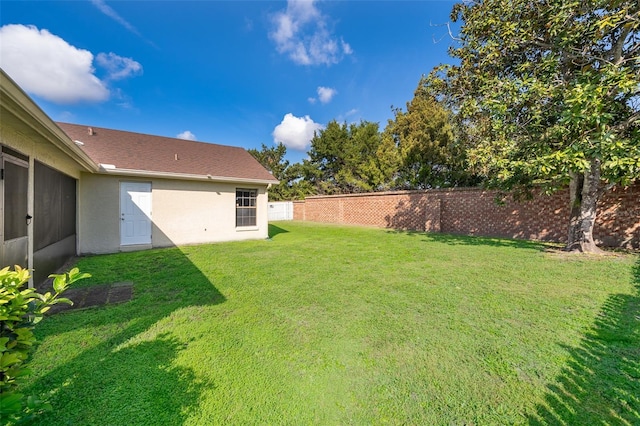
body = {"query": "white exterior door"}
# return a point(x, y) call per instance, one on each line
point(135, 213)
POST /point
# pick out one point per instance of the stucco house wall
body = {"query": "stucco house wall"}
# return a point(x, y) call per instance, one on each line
point(187, 212)
point(183, 212)
point(98, 209)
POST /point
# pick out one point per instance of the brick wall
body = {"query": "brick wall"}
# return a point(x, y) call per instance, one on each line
point(619, 218)
point(473, 211)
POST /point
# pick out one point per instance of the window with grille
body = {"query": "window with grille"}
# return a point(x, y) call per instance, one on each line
point(246, 207)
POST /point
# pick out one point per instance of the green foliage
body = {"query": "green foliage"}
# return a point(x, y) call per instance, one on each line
point(272, 159)
point(291, 186)
point(348, 159)
point(547, 89)
point(20, 310)
point(430, 155)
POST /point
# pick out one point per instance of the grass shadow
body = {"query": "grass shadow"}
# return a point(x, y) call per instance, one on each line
point(117, 364)
point(453, 239)
point(275, 230)
point(601, 382)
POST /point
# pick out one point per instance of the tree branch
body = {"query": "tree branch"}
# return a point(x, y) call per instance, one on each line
point(624, 125)
point(448, 25)
point(618, 46)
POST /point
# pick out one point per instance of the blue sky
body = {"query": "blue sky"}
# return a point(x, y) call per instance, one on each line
point(237, 73)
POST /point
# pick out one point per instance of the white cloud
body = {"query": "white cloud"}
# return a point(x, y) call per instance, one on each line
point(49, 67)
point(111, 13)
point(346, 47)
point(325, 94)
point(312, 100)
point(66, 116)
point(348, 116)
point(295, 132)
point(187, 135)
point(45, 65)
point(301, 32)
point(248, 24)
point(108, 10)
point(117, 66)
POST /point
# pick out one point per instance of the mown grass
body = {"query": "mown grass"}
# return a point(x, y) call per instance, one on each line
point(343, 325)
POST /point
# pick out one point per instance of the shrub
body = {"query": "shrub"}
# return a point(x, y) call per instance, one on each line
point(20, 310)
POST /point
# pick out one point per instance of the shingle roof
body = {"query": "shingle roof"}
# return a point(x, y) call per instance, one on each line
point(158, 154)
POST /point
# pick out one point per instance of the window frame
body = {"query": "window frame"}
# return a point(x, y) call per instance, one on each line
point(246, 208)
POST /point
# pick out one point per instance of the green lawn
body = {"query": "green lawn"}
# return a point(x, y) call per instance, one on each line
point(344, 325)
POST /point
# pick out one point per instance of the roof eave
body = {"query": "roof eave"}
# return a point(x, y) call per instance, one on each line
point(111, 170)
point(19, 104)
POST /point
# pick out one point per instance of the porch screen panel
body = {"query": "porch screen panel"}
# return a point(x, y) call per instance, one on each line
point(54, 206)
point(68, 207)
point(16, 180)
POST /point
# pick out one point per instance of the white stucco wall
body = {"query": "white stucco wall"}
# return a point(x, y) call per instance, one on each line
point(183, 212)
point(98, 211)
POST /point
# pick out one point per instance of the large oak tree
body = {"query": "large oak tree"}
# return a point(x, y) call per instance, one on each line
point(548, 93)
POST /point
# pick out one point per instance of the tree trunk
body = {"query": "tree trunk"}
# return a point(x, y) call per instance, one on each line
point(584, 192)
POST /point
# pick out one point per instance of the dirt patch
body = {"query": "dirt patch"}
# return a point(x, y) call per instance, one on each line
point(99, 295)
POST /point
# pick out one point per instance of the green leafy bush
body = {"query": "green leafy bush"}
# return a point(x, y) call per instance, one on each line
point(20, 310)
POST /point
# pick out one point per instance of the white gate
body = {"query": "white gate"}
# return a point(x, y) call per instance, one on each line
point(282, 210)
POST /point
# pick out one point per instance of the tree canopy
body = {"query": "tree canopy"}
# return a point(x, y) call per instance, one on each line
point(547, 92)
point(429, 153)
point(347, 158)
point(291, 186)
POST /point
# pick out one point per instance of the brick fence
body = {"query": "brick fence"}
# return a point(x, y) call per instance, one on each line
point(473, 211)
